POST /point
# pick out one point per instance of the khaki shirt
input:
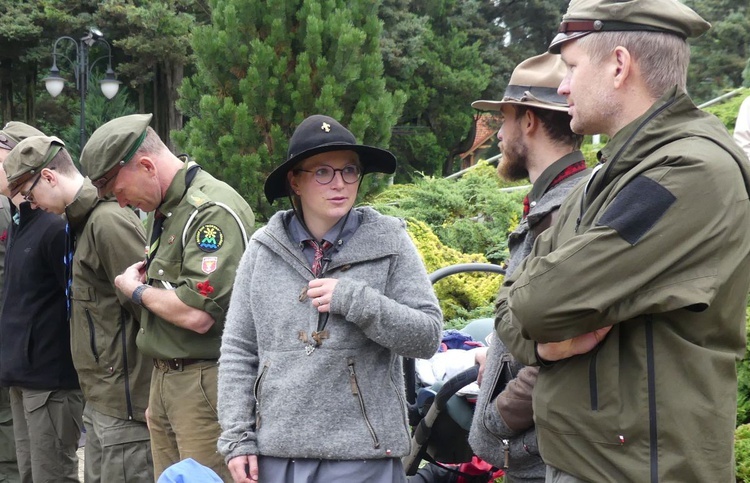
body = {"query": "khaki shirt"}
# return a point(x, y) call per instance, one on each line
point(204, 236)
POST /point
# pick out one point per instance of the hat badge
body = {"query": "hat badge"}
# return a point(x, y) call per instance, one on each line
point(326, 127)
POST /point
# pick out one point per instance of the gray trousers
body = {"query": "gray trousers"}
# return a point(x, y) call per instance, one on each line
point(117, 450)
point(8, 464)
point(47, 425)
point(558, 476)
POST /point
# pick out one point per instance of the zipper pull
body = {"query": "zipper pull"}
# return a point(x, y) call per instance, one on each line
point(506, 452)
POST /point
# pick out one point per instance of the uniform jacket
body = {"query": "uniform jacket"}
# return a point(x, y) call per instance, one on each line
point(34, 329)
point(114, 375)
point(346, 399)
point(656, 245)
point(490, 435)
point(204, 234)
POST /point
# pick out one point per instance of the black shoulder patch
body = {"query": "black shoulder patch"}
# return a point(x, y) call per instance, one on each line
point(637, 208)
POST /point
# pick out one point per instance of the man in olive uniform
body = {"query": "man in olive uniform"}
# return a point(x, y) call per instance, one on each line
point(113, 374)
point(633, 303)
point(35, 356)
point(11, 134)
point(197, 236)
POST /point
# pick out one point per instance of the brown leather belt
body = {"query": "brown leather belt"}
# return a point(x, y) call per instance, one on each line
point(177, 364)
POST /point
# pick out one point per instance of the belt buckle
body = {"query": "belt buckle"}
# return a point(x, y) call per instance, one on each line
point(176, 364)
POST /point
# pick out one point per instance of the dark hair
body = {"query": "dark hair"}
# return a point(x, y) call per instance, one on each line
point(556, 125)
point(62, 163)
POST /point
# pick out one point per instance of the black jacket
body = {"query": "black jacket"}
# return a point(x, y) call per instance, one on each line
point(34, 329)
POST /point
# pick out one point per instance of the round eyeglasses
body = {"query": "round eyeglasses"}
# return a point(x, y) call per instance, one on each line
point(324, 174)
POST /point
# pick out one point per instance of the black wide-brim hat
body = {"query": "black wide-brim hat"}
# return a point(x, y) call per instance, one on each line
point(319, 134)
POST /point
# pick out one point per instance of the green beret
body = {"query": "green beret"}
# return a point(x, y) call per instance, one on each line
point(114, 143)
point(14, 132)
point(28, 158)
point(586, 16)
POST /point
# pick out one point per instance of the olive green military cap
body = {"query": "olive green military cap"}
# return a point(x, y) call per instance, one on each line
point(533, 83)
point(28, 158)
point(14, 132)
point(112, 146)
point(586, 16)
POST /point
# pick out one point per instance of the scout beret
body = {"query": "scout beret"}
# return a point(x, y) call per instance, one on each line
point(114, 144)
point(29, 157)
point(319, 134)
point(533, 83)
point(14, 132)
point(586, 16)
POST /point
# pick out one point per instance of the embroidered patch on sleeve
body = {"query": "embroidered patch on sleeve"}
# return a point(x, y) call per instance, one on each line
point(637, 208)
point(209, 238)
point(208, 265)
point(204, 288)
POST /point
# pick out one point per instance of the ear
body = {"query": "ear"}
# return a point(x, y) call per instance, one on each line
point(293, 183)
point(49, 176)
point(146, 163)
point(623, 63)
point(529, 122)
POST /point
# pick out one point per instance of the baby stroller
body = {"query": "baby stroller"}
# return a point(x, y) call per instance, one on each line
point(441, 419)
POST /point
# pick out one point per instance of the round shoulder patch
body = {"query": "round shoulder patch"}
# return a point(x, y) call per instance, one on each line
point(209, 238)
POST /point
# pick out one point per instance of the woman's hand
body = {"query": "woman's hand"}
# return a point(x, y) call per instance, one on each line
point(320, 292)
point(244, 468)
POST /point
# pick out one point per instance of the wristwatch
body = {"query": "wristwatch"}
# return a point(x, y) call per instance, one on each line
point(137, 296)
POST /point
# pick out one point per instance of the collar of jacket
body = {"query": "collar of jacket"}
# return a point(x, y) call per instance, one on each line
point(78, 211)
point(373, 239)
point(176, 191)
point(542, 184)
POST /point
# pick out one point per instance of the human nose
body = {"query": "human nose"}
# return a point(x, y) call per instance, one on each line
point(564, 88)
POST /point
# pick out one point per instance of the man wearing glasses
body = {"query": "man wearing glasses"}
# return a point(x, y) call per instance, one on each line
point(197, 235)
point(114, 376)
point(35, 356)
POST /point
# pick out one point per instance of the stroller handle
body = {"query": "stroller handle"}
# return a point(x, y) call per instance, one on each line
point(437, 275)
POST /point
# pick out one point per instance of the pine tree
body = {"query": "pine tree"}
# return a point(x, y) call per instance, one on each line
point(262, 67)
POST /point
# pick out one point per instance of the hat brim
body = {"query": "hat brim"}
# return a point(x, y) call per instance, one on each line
point(372, 159)
point(483, 105)
point(561, 38)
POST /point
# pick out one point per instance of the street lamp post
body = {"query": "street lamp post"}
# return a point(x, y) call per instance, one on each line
point(82, 70)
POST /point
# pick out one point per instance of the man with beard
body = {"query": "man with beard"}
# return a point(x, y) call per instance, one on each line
point(537, 143)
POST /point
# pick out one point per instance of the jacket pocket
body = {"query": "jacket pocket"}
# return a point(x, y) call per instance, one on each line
point(257, 392)
point(361, 400)
point(92, 335)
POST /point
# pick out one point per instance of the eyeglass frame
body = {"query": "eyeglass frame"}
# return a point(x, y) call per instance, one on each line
point(333, 176)
point(28, 196)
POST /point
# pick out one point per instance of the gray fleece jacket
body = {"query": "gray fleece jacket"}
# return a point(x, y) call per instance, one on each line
point(345, 400)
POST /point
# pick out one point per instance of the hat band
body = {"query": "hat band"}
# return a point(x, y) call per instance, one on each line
point(546, 95)
point(609, 26)
point(131, 152)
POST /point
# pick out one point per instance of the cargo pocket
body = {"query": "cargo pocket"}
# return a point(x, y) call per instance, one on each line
point(126, 452)
point(61, 414)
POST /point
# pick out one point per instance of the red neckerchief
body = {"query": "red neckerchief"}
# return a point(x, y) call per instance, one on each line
point(564, 174)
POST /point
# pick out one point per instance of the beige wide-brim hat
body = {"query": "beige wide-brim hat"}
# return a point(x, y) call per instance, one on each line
point(587, 16)
point(534, 83)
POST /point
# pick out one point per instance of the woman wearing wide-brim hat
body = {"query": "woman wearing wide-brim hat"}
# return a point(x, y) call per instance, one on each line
point(326, 301)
